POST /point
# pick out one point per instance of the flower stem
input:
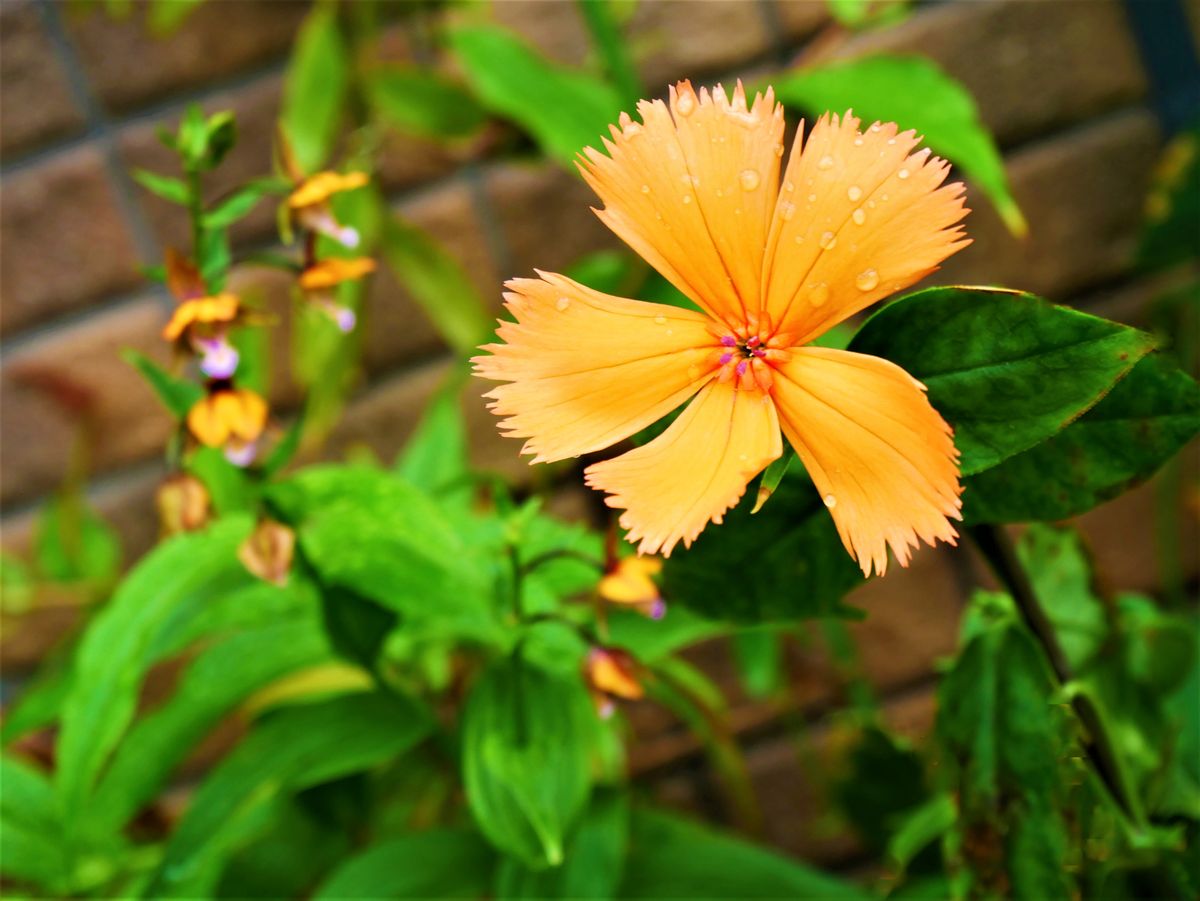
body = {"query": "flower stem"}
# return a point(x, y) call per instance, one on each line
point(997, 548)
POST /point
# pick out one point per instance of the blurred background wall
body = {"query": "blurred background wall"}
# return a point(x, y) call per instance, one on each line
point(1063, 86)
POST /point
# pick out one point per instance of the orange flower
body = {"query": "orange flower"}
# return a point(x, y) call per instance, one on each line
point(201, 325)
point(322, 277)
point(229, 417)
point(611, 673)
point(696, 189)
point(628, 582)
point(309, 203)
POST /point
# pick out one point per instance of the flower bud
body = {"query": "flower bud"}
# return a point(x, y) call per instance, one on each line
point(183, 504)
point(267, 553)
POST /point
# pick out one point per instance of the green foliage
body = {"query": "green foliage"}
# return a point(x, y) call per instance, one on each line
point(914, 93)
point(1173, 208)
point(1143, 422)
point(424, 103)
point(1006, 369)
point(315, 88)
point(73, 543)
point(563, 109)
point(525, 763)
point(444, 862)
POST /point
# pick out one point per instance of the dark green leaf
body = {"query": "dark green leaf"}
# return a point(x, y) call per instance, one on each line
point(438, 283)
point(759, 655)
point(673, 858)
point(1007, 370)
point(885, 778)
point(357, 627)
point(220, 138)
point(1142, 423)
point(315, 88)
point(435, 457)
point(800, 569)
point(293, 748)
point(442, 863)
point(423, 102)
point(164, 186)
point(214, 256)
point(525, 759)
point(914, 93)
point(564, 109)
point(916, 829)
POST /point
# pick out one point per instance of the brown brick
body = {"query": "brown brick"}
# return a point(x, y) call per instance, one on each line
point(37, 433)
point(65, 242)
point(127, 66)
point(1082, 194)
point(256, 106)
point(545, 216)
point(35, 99)
point(1031, 67)
point(800, 18)
point(674, 39)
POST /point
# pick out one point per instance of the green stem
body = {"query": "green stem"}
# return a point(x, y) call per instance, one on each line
point(993, 542)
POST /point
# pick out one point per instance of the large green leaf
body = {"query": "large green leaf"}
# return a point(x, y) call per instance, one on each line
point(1150, 415)
point(30, 830)
point(294, 748)
point(315, 88)
point(438, 283)
point(525, 759)
point(369, 531)
point(914, 93)
point(1006, 369)
point(423, 102)
point(564, 109)
point(436, 863)
point(171, 584)
point(791, 547)
point(223, 676)
point(673, 858)
point(435, 457)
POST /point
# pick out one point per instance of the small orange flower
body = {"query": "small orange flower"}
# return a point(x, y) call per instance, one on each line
point(629, 583)
point(309, 203)
point(201, 325)
point(232, 418)
point(611, 674)
point(322, 277)
point(695, 188)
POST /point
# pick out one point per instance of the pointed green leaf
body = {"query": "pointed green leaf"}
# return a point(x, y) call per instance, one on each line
point(164, 186)
point(315, 88)
point(423, 102)
point(176, 394)
point(442, 863)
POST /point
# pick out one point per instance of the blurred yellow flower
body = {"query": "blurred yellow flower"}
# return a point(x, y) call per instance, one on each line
point(309, 203)
point(232, 418)
point(696, 189)
point(629, 582)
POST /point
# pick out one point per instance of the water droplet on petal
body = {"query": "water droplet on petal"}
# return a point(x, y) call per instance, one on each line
point(891, 141)
point(858, 142)
point(859, 217)
point(902, 174)
point(687, 198)
point(645, 189)
point(660, 320)
point(685, 103)
point(825, 162)
point(789, 187)
point(867, 280)
point(819, 294)
point(830, 501)
point(749, 179)
point(828, 241)
point(812, 198)
point(854, 192)
point(563, 303)
point(787, 211)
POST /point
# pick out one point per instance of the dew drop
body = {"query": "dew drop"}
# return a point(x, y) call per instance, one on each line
point(891, 141)
point(685, 104)
point(779, 150)
point(687, 198)
point(858, 142)
point(828, 241)
point(563, 303)
point(819, 294)
point(660, 320)
point(789, 187)
point(876, 127)
point(812, 198)
point(867, 280)
point(787, 210)
point(902, 174)
point(854, 192)
point(858, 216)
point(830, 501)
point(749, 179)
point(799, 239)
point(826, 162)
point(645, 189)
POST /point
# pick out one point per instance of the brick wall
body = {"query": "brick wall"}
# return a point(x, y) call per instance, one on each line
point(1061, 85)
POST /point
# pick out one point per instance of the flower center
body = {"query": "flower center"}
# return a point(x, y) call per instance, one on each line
point(750, 358)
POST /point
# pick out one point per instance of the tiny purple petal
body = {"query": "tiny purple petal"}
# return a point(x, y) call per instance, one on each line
point(606, 709)
point(219, 360)
point(741, 367)
point(345, 319)
point(658, 609)
point(241, 454)
point(754, 342)
point(725, 358)
point(759, 352)
point(347, 237)
point(729, 341)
